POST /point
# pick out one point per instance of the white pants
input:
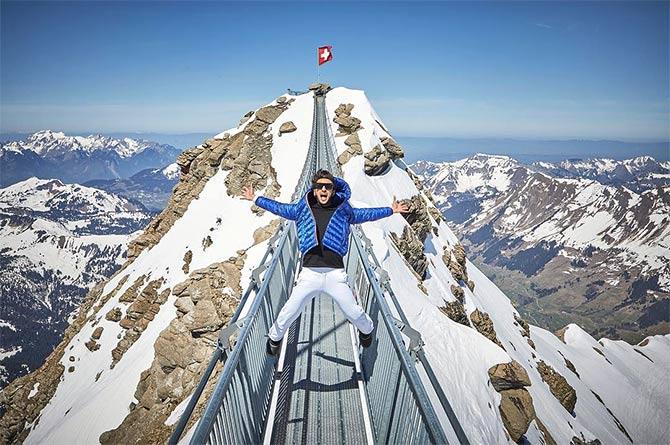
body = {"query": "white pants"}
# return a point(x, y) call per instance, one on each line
point(311, 282)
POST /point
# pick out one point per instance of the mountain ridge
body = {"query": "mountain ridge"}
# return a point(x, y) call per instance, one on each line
point(49, 154)
point(156, 320)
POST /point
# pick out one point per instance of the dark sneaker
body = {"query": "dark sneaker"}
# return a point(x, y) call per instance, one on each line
point(365, 339)
point(272, 347)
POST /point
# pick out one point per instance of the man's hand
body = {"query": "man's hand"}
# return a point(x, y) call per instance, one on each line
point(248, 193)
point(399, 207)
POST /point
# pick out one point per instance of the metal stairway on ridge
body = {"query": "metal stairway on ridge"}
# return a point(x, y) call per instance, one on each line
point(318, 387)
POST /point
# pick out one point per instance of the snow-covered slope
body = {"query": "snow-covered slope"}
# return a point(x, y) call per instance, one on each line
point(182, 265)
point(57, 241)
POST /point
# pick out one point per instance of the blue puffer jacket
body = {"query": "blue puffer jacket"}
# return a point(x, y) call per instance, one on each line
point(337, 232)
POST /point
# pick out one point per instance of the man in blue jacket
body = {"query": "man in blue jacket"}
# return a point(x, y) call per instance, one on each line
point(323, 218)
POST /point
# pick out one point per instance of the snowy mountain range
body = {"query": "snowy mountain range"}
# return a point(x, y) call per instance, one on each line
point(57, 241)
point(49, 154)
point(565, 245)
point(137, 346)
point(638, 174)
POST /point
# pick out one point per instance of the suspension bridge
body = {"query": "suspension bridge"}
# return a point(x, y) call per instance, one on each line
point(324, 388)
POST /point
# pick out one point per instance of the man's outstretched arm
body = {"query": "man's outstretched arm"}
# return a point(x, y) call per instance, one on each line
point(359, 216)
point(288, 211)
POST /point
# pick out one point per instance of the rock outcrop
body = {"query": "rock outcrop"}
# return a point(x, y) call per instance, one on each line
point(347, 123)
point(320, 89)
point(376, 161)
point(516, 404)
point(354, 148)
point(510, 375)
point(411, 248)
point(246, 154)
point(417, 216)
point(142, 310)
point(484, 325)
point(394, 150)
point(455, 311)
point(456, 262)
point(287, 127)
point(458, 293)
point(525, 328)
point(205, 302)
point(558, 386)
point(517, 411)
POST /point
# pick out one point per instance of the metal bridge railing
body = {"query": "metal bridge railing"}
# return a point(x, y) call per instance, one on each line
point(239, 404)
point(243, 389)
point(400, 409)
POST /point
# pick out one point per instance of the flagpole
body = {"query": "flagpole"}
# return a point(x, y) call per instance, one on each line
point(318, 66)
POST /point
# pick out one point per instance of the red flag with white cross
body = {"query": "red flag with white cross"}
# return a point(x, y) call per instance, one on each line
point(325, 54)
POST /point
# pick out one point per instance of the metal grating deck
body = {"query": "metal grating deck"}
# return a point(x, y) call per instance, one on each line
point(319, 400)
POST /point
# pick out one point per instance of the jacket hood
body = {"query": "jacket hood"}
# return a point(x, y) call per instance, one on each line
point(342, 192)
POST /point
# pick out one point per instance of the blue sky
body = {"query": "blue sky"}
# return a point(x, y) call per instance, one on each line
point(523, 69)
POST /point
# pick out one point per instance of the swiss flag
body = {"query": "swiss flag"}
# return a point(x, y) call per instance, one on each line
point(325, 54)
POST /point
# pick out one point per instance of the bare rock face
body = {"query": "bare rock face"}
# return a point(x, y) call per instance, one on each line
point(510, 375)
point(114, 315)
point(139, 314)
point(394, 150)
point(516, 404)
point(484, 325)
point(97, 332)
point(354, 148)
point(561, 333)
point(247, 155)
point(582, 441)
point(320, 89)
point(207, 242)
point(287, 127)
point(347, 123)
point(417, 216)
point(456, 311)
point(203, 318)
point(205, 302)
point(411, 249)
point(188, 256)
point(456, 262)
point(263, 233)
point(558, 385)
point(376, 161)
point(571, 366)
point(437, 216)
point(252, 163)
point(517, 411)
point(458, 292)
point(525, 327)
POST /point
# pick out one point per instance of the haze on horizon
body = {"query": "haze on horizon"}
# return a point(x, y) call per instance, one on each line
point(591, 70)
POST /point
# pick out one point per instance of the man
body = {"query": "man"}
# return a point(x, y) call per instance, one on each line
point(323, 218)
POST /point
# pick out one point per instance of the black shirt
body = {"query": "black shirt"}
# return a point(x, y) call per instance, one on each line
point(319, 256)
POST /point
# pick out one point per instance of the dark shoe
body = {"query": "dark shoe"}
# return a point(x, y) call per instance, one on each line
point(365, 339)
point(272, 347)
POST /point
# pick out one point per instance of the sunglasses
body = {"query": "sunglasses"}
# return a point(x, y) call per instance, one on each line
point(317, 186)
